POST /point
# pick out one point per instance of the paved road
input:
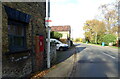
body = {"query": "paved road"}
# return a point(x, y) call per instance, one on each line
point(95, 61)
point(86, 61)
point(63, 55)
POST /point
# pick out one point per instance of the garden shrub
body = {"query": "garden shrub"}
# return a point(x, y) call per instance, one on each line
point(108, 39)
point(56, 35)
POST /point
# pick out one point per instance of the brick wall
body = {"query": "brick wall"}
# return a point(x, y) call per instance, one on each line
point(19, 64)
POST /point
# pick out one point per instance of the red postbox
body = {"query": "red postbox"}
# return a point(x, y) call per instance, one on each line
point(39, 49)
point(41, 43)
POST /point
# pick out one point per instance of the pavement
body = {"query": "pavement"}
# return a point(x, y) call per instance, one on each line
point(64, 64)
point(0, 69)
point(0, 66)
point(87, 61)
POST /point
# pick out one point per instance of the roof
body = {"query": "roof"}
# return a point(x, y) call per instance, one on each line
point(61, 28)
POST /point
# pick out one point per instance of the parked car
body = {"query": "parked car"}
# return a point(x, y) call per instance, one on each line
point(60, 46)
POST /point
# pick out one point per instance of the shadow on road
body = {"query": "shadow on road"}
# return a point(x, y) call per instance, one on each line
point(79, 49)
point(76, 44)
point(63, 55)
point(94, 67)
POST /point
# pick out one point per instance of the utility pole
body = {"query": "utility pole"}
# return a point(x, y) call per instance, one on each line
point(48, 48)
point(48, 32)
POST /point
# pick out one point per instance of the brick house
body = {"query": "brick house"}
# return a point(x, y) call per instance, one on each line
point(64, 30)
point(22, 23)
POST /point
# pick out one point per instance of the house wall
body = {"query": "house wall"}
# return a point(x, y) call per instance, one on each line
point(65, 34)
point(20, 64)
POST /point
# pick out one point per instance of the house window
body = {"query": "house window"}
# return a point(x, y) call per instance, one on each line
point(17, 35)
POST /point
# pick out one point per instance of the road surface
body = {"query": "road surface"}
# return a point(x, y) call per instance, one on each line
point(86, 61)
point(95, 61)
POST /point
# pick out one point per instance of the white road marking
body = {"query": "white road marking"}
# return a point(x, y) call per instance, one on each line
point(109, 55)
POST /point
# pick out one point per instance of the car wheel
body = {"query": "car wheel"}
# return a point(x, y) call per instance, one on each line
point(61, 49)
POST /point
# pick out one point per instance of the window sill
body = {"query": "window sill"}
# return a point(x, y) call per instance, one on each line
point(17, 52)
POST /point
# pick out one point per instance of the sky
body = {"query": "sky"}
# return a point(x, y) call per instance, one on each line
point(74, 13)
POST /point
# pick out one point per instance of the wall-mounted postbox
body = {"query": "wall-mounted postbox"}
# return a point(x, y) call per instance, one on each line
point(39, 47)
point(41, 43)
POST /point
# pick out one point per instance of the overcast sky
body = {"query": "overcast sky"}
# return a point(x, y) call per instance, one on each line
point(74, 13)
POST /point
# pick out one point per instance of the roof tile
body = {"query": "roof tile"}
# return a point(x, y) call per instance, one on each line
point(61, 28)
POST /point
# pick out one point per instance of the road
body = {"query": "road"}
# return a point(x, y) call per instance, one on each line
point(95, 61)
point(85, 60)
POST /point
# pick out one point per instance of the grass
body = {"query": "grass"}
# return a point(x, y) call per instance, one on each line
point(105, 45)
point(101, 45)
point(115, 47)
point(95, 44)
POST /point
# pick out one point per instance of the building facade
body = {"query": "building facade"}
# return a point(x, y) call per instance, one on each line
point(23, 28)
point(64, 30)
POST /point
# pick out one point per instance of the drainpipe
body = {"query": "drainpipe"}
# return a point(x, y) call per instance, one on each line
point(33, 52)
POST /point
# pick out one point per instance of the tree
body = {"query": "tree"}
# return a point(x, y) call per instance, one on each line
point(93, 29)
point(107, 24)
point(109, 12)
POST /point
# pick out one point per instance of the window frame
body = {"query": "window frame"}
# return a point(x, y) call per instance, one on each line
point(11, 37)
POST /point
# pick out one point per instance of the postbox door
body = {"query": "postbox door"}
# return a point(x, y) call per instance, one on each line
point(41, 43)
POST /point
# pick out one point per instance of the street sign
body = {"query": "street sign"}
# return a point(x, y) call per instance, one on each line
point(48, 20)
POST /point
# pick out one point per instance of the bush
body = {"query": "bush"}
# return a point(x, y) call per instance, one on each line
point(77, 40)
point(83, 40)
point(55, 35)
point(109, 38)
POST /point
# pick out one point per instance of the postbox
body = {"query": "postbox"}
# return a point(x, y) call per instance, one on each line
point(39, 49)
point(39, 46)
point(41, 43)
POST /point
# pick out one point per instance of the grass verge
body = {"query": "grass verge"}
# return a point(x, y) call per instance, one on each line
point(101, 45)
